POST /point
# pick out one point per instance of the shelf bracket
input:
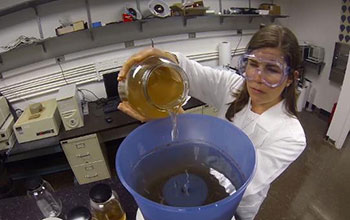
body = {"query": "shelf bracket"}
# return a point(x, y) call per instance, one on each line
point(222, 20)
point(88, 12)
point(251, 19)
point(185, 21)
point(185, 18)
point(141, 25)
point(38, 22)
point(42, 44)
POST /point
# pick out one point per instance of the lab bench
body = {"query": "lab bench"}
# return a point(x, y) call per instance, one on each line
point(23, 207)
point(87, 162)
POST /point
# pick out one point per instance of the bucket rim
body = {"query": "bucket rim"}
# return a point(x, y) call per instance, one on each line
point(134, 193)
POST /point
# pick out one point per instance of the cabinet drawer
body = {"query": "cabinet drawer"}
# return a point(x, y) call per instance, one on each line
point(91, 172)
point(82, 149)
point(208, 110)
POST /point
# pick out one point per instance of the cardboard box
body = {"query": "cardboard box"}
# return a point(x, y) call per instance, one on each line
point(79, 25)
point(273, 9)
point(64, 30)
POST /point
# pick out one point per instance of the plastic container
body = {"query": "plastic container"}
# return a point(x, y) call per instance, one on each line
point(154, 86)
point(104, 203)
point(220, 133)
point(44, 195)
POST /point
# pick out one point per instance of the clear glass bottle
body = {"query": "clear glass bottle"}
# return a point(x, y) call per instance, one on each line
point(44, 195)
point(104, 203)
point(154, 87)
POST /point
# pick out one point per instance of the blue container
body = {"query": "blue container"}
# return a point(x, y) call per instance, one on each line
point(231, 140)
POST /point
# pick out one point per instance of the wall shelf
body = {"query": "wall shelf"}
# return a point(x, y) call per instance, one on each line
point(318, 65)
point(23, 5)
point(118, 32)
point(251, 16)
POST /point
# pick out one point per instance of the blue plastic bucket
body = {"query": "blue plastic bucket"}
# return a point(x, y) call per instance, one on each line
point(229, 139)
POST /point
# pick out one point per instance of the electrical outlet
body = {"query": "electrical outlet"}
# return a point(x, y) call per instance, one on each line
point(60, 59)
point(129, 44)
point(192, 35)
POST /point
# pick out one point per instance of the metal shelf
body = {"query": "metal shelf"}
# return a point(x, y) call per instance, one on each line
point(318, 65)
point(121, 32)
point(251, 16)
point(23, 5)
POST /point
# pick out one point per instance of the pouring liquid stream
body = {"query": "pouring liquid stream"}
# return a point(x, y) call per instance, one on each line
point(174, 130)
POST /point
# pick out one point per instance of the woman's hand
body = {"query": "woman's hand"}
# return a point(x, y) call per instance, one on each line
point(127, 109)
point(137, 58)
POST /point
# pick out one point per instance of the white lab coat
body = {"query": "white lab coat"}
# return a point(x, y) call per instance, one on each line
point(278, 138)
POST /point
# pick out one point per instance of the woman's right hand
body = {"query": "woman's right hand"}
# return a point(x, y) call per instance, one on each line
point(137, 58)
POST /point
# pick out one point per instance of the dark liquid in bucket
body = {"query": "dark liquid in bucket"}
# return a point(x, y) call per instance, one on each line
point(186, 174)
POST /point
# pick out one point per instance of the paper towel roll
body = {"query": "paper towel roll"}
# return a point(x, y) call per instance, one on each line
point(224, 53)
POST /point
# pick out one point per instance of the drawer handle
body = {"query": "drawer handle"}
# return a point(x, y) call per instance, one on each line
point(83, 155)
point(79, 146)
point(92, 176)
point(88, 168)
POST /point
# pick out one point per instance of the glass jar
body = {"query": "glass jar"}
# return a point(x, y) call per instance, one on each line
point(79, 213)
point(104, 203)
point(44, 195)
point(154, 87)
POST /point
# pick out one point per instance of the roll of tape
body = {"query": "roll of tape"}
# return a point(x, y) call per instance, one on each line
point(159, 8)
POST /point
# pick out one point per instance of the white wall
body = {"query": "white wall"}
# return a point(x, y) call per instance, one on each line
point(316, 21)
point(16, 24)
point(340, 126)
point(24, 22)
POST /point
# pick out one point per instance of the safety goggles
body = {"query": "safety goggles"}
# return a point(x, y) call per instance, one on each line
point(271, 71)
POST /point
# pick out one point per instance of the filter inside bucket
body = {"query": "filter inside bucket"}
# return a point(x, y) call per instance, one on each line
point(186, 174)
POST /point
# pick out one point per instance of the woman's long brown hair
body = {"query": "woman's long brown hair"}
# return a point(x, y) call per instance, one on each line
point(273, 36)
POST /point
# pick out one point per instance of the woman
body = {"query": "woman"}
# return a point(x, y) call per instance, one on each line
point(262, 103)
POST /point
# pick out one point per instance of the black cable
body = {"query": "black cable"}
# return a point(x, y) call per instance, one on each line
point(97, 98)
point(64, 77)
point(239, 42)
point(82, 94)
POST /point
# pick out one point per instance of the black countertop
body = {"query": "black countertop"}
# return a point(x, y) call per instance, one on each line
point(121, 125)
point(25, 208)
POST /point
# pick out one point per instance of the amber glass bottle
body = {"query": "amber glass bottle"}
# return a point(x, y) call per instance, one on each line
point(104, 203)
point(154, 87)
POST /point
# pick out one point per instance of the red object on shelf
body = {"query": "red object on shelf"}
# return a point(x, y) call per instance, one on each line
point(127, 17)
